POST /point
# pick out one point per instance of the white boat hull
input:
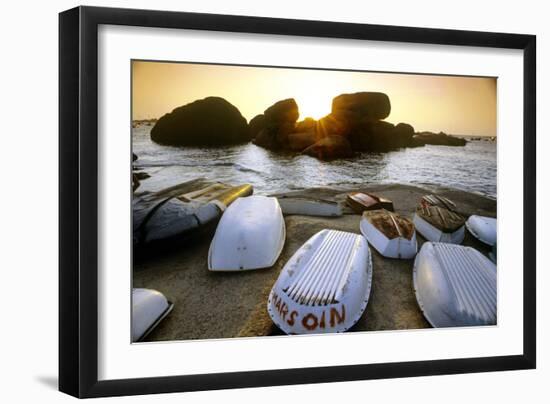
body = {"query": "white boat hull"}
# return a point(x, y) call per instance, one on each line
point(399, 247)
point(250, 235)
point(309, 207)
point(483, 228)
point(149, 307)
point(455, 286)
point(324, 287)
point(431, 233)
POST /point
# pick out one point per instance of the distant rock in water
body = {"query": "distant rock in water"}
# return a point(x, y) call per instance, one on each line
point(357, 106)
point(256, 124)
point(212, 121)
point(279, 121)
point(330, 147)
point(440, 139)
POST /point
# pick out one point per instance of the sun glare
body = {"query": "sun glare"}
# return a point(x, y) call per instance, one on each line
point(313, 106)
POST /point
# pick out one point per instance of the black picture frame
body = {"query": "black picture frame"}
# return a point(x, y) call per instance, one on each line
point(78, 200)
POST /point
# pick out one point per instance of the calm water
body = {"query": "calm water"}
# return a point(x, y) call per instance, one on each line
point(471, 168)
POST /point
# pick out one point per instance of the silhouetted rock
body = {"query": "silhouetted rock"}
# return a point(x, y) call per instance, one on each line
point(279, 121)
point(301, 140)
point(256, 124)
point(212, 121)
point(282, 111)
point(333, 125)
point(330, 147)
point(403, 133)
point(371, 105)
point(134, 157)
point(307, 125)
point(441, 139)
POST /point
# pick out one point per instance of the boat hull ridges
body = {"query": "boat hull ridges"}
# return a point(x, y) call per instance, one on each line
point(395, 247)
point(432, 233)
point(483, 228)
point(309, 206)
point(325, 286)
point(455, 286)
point(250, 235)
point(149, 308)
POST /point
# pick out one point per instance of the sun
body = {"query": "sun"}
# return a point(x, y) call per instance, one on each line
point(313, 105)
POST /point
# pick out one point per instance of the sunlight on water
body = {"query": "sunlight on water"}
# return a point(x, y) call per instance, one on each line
point(471, 168)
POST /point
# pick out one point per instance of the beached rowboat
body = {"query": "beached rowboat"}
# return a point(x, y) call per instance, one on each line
point(361, 201)
point(300, 205)
point(250, 235)
point(392, 235)
point(182, 209)
point(455, 285)
point(325, 286)
point(483, 228)
point(149, 308)
point(438, 200)
point(439, 224)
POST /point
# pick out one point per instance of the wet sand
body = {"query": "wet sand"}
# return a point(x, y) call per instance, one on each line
point(224, 305)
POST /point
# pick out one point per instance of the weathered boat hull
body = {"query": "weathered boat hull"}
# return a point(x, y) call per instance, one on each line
point(455, 286)
point(309, 206)
point(432, 233)
point(149, 308)
point(362, 201)
point(182, 209)
point(324, 287)
point(483, 228)
point(250, 235)
point(396, 247)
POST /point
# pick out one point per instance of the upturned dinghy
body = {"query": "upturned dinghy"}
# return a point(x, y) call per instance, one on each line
point(299, 205)
point(250, 235)
point(390, 234)
point(455, 285)
point(483, 228)
point(325, 286)
point(361, 201)
point(439, 224)
point(149, 308)
point(438, 200)
point(181, 209)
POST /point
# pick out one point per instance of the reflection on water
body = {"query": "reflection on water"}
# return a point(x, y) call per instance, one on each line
point(471, 168)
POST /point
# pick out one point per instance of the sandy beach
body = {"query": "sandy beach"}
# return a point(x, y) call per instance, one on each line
point(225, 305)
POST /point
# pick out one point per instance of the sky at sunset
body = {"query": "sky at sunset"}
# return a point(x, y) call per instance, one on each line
point(455, 105)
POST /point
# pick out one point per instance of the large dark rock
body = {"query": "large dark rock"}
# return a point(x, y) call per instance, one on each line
point(356, 106)
point(403, 134)
point(282, 111)
point(212, 121)
point(307, 125)
point(256, 124)
point(279, 121)
point(301, 140)
point(330, 147)
point(440, 139)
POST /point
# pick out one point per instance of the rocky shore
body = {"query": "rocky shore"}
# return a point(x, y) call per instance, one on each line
point(224, 305)
point(356, 123)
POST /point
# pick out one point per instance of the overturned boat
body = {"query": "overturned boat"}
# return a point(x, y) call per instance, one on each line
point(301, 205)
point(392, 235)
point(149, 308)
point(438, 200)
point(325, 286)
point(439, 224)
point(181, 209)
point(455, 286)
point(361, 201)
point(483, 228)
point(250, 235)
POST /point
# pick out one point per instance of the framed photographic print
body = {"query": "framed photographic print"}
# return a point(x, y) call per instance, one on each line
point(251, 201)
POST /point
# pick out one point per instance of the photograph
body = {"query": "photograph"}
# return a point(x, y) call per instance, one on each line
point(273, 201)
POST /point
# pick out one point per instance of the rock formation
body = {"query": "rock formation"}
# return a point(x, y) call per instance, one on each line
point(212, 121)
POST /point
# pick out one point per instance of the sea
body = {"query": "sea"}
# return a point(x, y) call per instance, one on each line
point(471, 168)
